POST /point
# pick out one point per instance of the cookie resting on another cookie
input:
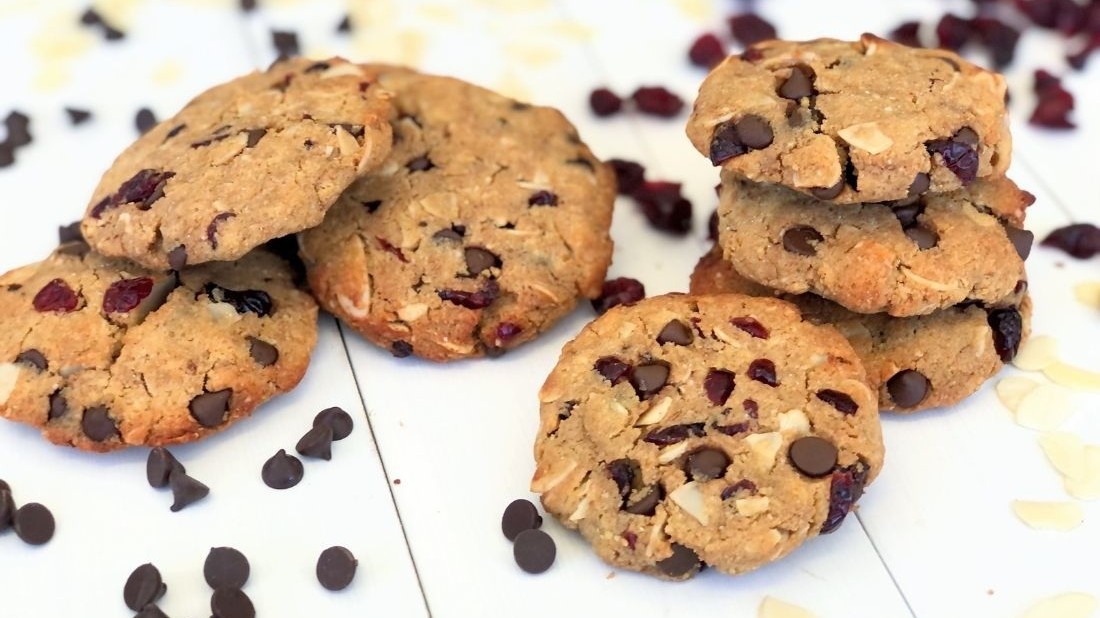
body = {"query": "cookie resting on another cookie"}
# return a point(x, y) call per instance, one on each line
point(688, 430)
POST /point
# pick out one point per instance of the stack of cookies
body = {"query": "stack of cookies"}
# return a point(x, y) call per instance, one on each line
point(864, 181)
point(434, 217)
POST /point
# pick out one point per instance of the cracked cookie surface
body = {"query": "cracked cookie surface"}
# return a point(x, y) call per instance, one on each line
point(256, 158)
point(721, 430)
point(853, 122)
point(913, 363)
point(905, 259)
point(101, 354)
point(485, 224)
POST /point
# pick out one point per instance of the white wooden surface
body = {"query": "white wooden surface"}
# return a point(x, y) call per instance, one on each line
point(935, 536)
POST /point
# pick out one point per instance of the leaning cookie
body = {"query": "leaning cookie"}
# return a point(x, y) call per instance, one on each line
point(914, 363)
point(853, 122)
point(685, 431)
point(485, 225)
point(256, 158)
point(102, 354)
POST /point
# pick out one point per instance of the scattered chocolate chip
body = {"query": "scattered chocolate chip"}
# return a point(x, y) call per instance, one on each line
point(542, 198)
point(763, 370)
point(210, 409)
point(247, 5)
point(1021, 240)
point(226, 567)
point(78, 116)
point(34, 524)
point(479, 260)
point(518, 516)
point(629, 176)
point(706, 464)
point(657, 101)
point(58, 406)
point(144, 586)
point(18, 127)
point(69, 233)
point(1080, 240)
point(802, 240)
point(676, 332)
point(98, 425)
point(34, 358)
point(185, 490)
point(262, 352)
point(285, 43)
point(682, 561)
point(718, 386)
point(7, 508)
point(908, 388)
point(177, 258)
point(646, 503)
point(336, 568)
point(1008, 330)
point(604, 102)
point(674, 434)
point(958, 156)
point(316, 443)
point(282, 471)
point(813, 456)
point(345, 25)
point(55, 296)
point(664, 206)
point(420, 164)
point(534, 551)
point(922, 236)
point(144, 120)
point(712, 226)
point(841, 401)
point(613, 369)
point(707, 51)
point(845, 489)
point(151, 611)
point(336, 418)
point(7, 155)
point(243, 301)
point(124, 295)
point(751, 326)
point(231, 603)
point(799, 85)
point(908, 33)
point(620, 291)
point(648, 378)
point(749, 29)
point(159, 467)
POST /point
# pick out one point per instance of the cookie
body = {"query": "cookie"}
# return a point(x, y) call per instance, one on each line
point(853, 122)
point(934, 252)
point(723, 430)
point(914, 363)
point(102, 354)
point(483, 227)
point(256, 158)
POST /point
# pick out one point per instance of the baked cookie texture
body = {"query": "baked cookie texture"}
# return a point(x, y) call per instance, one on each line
point(914, 363)
point(905, 259)
point(485, 224)
point(720, 430)
point(853, 122)
point(256, 158)
point(102, 354)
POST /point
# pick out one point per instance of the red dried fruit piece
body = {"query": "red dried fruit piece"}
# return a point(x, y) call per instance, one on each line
point(388, 247)
point(763, 370)
point(706, 51)
point(629, 175)
point(908, 33)
point(631, 539)
point(744, 485)
point(506, 331)
point(613, 369)
point(657, 101)
point(750, 28)
point(1000, 38)
point(734, 429)
point(718, 385)
point(1055, 103)
point(473, 300)
point(953, 32)
point(620, 291)
point(845, 489)
point(122, 296)
point(604, 102)
point(143, 188)
point(674, 434)
point(751, 326)
point(1078, 59)
point(1008, 331)
point(958, 156)
point(1066, 16)
point(841, 401)
point(55, 296)
point(1081, 240)
point(664, 206)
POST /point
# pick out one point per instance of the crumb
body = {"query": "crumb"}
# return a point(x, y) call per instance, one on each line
point(396, 481)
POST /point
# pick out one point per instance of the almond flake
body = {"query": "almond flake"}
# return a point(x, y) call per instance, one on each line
point(689, 497)
point(655, 413)
point(1013, 389)
point(764, 447)
point(866, 136)
point(1037, 353)
point(1073, 377)
point(1086, 486)
point(1044, 408)
point(754, 505)
point(794, 422)
point(9, 373)
point(1088, 293)
point(1066, 452)
point(672, 453)
point(1066, 605)
point(1059, 516)
point(772, 607)
point(546, 478)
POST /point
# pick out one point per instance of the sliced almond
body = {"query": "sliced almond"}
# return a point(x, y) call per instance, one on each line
point(357, 308)
point(341, 70)
point(581, 511)
point(551, 475)
point(751, 506)
point(1044, 408)
point(413, 312)
point(223, 312)
point(764, 447)
point(928, 283)
point(1066, 452)
point(866, 136)
point(794, 423)
point(1060, 516)
point(1037, 353)
point(1066, 605)
point(1073, 377)
point(655, 413)
point(672, 453)
point(1013, 389)
point(9, 373)
point(689, 497)
point(1087, 485)
point(346, 141)
point(1088, 293)
point(772, 607)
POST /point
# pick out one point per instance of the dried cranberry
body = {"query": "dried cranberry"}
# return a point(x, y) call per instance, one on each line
point(732, 430)
point(1066, 16)
point(624, 472)
point(243, 301)
point(620, 291)
point(953, 32)
point(749, 29)
point(55, 296)
point(718, 385)
point(1077, 59)
point(604, 102)
point(212, 227)
point(144, 188)
point(543, 198)
point(629, 175)
point(841, 401)
point(122, 296)
point(1000, 38)
point(706, 51)
point(473, 300)
point(1081, 240)
point(751, 408)
point(675, 433)
point(631, 539)
point(506, 331)
point(657, 101)
point(744, 485)
point(844, 490)
point(665, 207)
point(1055, 102)
point(958, 156)
point(763, 370)
point(751, 326)
point(388, 247)
point(1008, 331)
point(907, 33)
point(613, 369)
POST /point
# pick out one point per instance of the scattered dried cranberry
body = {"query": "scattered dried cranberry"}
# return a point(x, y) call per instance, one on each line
point(1077, 59)
point(604, 102)
point(845, 489)
point(122, 296)
point(953, 32)
point(473, 300)
point(1055, 102)
point(907, 33)
point(620, 291)
point(657, 101)
point(1000, 38)
point(1081, 240)
point(675, 433)
point(613, 369)
point(750, 28)
point(1066, 16)
point(706, 51)
point(629, 175)
point(664, 206)
point(55, 296)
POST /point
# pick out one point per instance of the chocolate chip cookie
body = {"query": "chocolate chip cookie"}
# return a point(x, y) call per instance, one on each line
point(906, 258)
point(913, 363)
point(482, 228)
point(101, 354)
point(685, 431)
point(853, 122)
point(253, 159)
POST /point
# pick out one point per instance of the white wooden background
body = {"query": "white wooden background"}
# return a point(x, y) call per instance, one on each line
point(934, 538)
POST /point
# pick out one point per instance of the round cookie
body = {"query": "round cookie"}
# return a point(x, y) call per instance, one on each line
point(483, 227)
point(853, 122)
point(688, 430)
point(245, 162)
point(102, 354)
point(914, 363)
point(903, 259)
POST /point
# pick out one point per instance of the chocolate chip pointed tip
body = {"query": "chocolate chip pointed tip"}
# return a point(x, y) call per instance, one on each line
point(282, 471)
point(336, 418)
point(316, 443)
point(185, 490)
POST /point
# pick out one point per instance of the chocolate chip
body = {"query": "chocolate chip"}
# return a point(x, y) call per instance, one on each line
point(799, 85)
point(337, 419)
point(841, 401)
point(247, 5)
point(755, 132)
point(448, 235)
point(225, 567)
point(908, 388)
point(159, 467)
point(185, 490)
point(646, 504)
point(682, 561)
point(751, 326)
point(907, 214)
point(619, 291)
point(1080, 240)
point(401, 349)
point(316, 443)
point(285, 43)
point(336, 568)
point(420, 164)
point(243, 301)
point(69, 233)
point(534, 551)
point(345, 25)
point(813, 456)
point(1021, 239)
point(231, 603)
point(7, 508)
point(921, 183)
point(34, 524)
point(1008, 330)
point(479, 260)
point(705, 464)
point(18, 127)
point(518, 516)
point(58, 406)
point(98, 425)
point(177, 258)
point(210, 409)
point(7, 155)
point(674, 434)
point(282, 471)
point(542, 198)
point(144, 120)
point(648, 378)
point(34, 358)
point(150, 611)
point(718, 386)
point(828, 193)
point(613, 369)
point(924, 237)
point(144, 586)
point(676, 332)
point(802, 240)
point(763, 370)
point(967, 136)
point(726, 144)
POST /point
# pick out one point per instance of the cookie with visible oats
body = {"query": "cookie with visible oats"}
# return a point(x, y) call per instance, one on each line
point(483, 227)
point(914, 363)
point(720, 430)
point(256, 158)
point(102, 354)
point(853, 122)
